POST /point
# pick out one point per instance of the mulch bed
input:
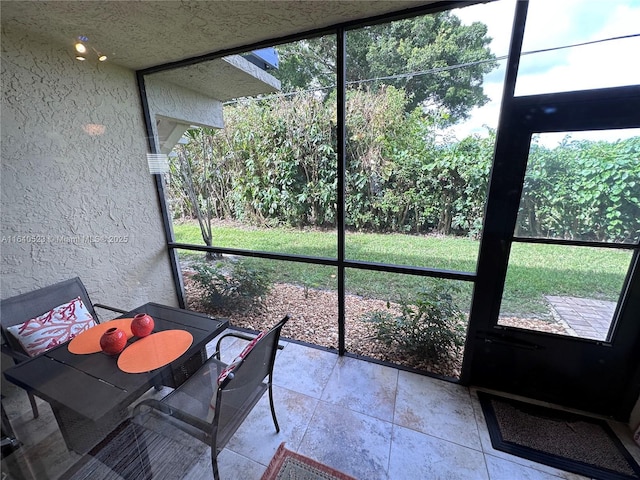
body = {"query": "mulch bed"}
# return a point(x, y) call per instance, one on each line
point(313, 320)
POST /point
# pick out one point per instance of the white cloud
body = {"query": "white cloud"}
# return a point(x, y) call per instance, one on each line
point(552, 23)
point(497, 16)
point(600, 65)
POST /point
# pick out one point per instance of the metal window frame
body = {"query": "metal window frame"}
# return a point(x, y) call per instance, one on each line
point(340, 262)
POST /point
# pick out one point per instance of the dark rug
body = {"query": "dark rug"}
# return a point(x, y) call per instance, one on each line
point(563, 440)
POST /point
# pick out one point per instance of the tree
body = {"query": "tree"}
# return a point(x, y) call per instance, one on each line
point(421, 55)
point(307, 64)
point(197, 173)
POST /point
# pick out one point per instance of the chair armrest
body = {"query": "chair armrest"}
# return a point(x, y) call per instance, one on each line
point(107, 307)
point(17, 356)
point(243, 336)
point(231, 334)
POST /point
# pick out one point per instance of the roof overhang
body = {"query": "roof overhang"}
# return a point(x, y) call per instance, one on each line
point(222, 78)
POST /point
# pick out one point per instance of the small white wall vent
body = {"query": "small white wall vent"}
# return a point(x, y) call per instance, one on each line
point(158, 163)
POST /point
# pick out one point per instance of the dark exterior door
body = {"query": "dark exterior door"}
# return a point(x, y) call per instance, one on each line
point(581, 355)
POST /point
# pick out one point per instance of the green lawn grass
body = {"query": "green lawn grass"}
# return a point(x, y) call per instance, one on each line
point(535, 270)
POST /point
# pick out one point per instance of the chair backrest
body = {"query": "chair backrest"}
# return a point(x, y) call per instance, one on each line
point(258, 363)
point(245, 385)
point(19, 309)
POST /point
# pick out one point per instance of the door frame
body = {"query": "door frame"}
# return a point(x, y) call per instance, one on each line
point(596, 376)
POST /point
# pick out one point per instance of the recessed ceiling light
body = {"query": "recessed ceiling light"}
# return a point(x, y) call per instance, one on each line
point(84, 50)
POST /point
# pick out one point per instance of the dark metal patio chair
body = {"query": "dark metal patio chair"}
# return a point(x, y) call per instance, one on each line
point(157, 441)
point(17, 310)
point(212, 404)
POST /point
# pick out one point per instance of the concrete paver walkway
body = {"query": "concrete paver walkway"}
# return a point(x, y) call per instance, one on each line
point(585, 317)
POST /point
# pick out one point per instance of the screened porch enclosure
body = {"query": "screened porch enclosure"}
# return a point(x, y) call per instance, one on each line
point(358, 204)
point(422, 256)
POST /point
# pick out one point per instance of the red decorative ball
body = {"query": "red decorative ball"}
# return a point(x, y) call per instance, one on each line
point(142, 325)
point(113, 341)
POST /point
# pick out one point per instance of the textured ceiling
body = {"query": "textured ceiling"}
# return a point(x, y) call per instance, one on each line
point(139, 34)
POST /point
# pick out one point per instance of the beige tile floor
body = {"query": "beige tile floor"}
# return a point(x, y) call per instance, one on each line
point(368, 420)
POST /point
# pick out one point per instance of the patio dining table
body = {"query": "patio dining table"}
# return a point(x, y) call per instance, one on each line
point(90, 395)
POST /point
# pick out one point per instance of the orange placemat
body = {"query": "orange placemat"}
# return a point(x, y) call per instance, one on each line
point(89, 340)
point(154, 351)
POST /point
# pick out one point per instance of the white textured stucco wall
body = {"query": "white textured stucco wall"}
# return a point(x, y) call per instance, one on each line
point(76, 194)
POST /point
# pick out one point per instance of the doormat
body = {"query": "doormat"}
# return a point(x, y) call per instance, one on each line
point(286, 464)
point(563, 440)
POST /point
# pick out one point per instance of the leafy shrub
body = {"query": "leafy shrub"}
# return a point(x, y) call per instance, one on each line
point(582, 190)
point(432, 327)
point(231, 285)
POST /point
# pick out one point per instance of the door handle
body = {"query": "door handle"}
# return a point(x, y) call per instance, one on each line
point(508, 341)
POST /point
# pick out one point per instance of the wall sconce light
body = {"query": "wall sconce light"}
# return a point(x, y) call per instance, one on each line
point(82, 49)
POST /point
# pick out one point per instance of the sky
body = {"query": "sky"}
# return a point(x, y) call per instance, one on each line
point(555, 23)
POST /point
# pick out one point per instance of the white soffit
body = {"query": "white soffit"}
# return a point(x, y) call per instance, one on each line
point(223, 78)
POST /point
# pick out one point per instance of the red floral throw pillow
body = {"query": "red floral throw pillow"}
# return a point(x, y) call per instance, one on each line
point(229, 368)
point(53, 328)
point(226, 371)
point(252, 344)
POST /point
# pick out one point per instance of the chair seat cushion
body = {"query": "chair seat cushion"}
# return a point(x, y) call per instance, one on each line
point(55, 327)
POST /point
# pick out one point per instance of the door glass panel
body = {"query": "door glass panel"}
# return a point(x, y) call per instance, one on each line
point(578, 46)
point(565, 290)
point(582, 186)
